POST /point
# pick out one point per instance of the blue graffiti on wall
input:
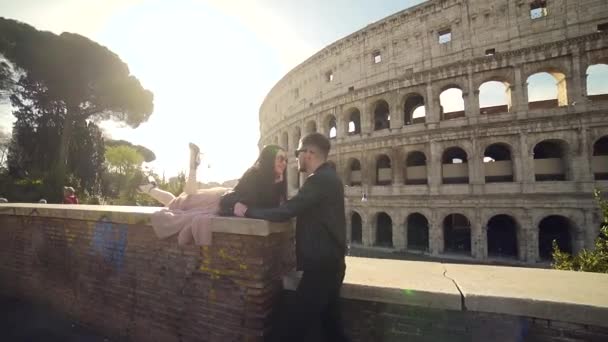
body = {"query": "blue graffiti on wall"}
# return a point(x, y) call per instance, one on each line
point(109, 242)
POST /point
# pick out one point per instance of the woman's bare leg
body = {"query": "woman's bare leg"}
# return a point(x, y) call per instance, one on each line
point(164, 197)
point(191, 185)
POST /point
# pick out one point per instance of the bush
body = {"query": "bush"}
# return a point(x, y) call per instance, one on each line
point(595, 260)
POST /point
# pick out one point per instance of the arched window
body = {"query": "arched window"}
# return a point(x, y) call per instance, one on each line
point(494, 98)
point(382, 116)
point(457, 234)
point(384, 230)
point(355, 172)
point(356, 232)
point(600, 159)
point(550, 160)
point(354, 122)
point(297, 135)
point(414, 111)
point(331, 127)
point(384, 172)
point(415, 168)
point(597, 87)
point(502, 237)
point(497, 163)
point(547, 90)
point(452, 103)
point(417, 232)
point(552, 228)
point(454, 168)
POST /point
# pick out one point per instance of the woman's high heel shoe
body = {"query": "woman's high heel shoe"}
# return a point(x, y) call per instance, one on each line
point(195, 156)
point(145, 188)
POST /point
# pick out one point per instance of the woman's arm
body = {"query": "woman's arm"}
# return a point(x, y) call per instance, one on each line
point(310, 194)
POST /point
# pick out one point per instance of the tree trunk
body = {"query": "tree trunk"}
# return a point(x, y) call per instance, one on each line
point(57, 181)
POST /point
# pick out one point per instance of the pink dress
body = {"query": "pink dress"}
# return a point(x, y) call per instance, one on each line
point(189, 216)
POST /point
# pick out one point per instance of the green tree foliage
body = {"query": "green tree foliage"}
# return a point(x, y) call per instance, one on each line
point(123, 160)
point(146, 153)
point(595, 260)
point(124, 175)
point(36, 135)
point(80, 80)
point(124, 165)
point(175, 185)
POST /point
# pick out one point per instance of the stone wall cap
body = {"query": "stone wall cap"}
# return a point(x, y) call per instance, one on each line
point(395, 282)
point(566, 296)
point(137, 215)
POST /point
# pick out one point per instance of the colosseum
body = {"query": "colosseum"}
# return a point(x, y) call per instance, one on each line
point(433, 164)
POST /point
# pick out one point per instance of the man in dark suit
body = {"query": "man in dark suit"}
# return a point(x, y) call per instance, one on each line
point(320, 243)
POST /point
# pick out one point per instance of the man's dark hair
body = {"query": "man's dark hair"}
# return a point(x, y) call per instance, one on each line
point(319, 141)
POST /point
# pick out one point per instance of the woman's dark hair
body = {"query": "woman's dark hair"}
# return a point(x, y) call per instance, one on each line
point(265, 163)
point(257, 186)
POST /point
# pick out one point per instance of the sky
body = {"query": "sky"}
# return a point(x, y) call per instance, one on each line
point(209, 63)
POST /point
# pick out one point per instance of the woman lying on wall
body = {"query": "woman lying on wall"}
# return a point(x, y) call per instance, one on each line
point(189, 214)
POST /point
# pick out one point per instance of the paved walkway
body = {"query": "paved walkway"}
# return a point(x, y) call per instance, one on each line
point(21, 321)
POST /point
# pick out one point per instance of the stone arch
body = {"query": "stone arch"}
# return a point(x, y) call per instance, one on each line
point(381, 115)
point(285, 141)
point(414, 110)
point(353, 121)
point(550, 160)
point(454, 166)
point(416, 168)
point(558, 228)
point(311, 127)
point(356, 228)
point(597, 89)
point(503, 234)
point(491, 101)
point(451, 101)
point(354, 172)
point(384, 171)
point(543, 95)
point(498, 163)
point(384, 230)
point(330, 126)
point(417, 232)
point(599, 162)
point(457, 234)
point(297, 135)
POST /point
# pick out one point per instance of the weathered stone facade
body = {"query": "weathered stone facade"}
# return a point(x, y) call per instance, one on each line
point(542, 159)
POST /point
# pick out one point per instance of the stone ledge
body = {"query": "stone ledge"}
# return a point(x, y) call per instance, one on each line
point(395, 282)
point(574, 297)
point(137, 215)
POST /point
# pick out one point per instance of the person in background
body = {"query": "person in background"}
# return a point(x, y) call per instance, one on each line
point(69, 195)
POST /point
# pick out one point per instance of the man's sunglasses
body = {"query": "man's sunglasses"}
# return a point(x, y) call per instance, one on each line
point(302, 150)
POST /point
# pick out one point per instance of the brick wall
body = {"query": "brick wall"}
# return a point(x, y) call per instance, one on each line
point(368, 321)
point(118, 278)
point(109, 272)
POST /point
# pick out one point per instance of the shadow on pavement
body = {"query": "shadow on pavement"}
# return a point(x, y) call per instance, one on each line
point(25, 322)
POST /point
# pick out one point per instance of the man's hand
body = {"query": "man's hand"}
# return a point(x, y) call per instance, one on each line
point(240, 209)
